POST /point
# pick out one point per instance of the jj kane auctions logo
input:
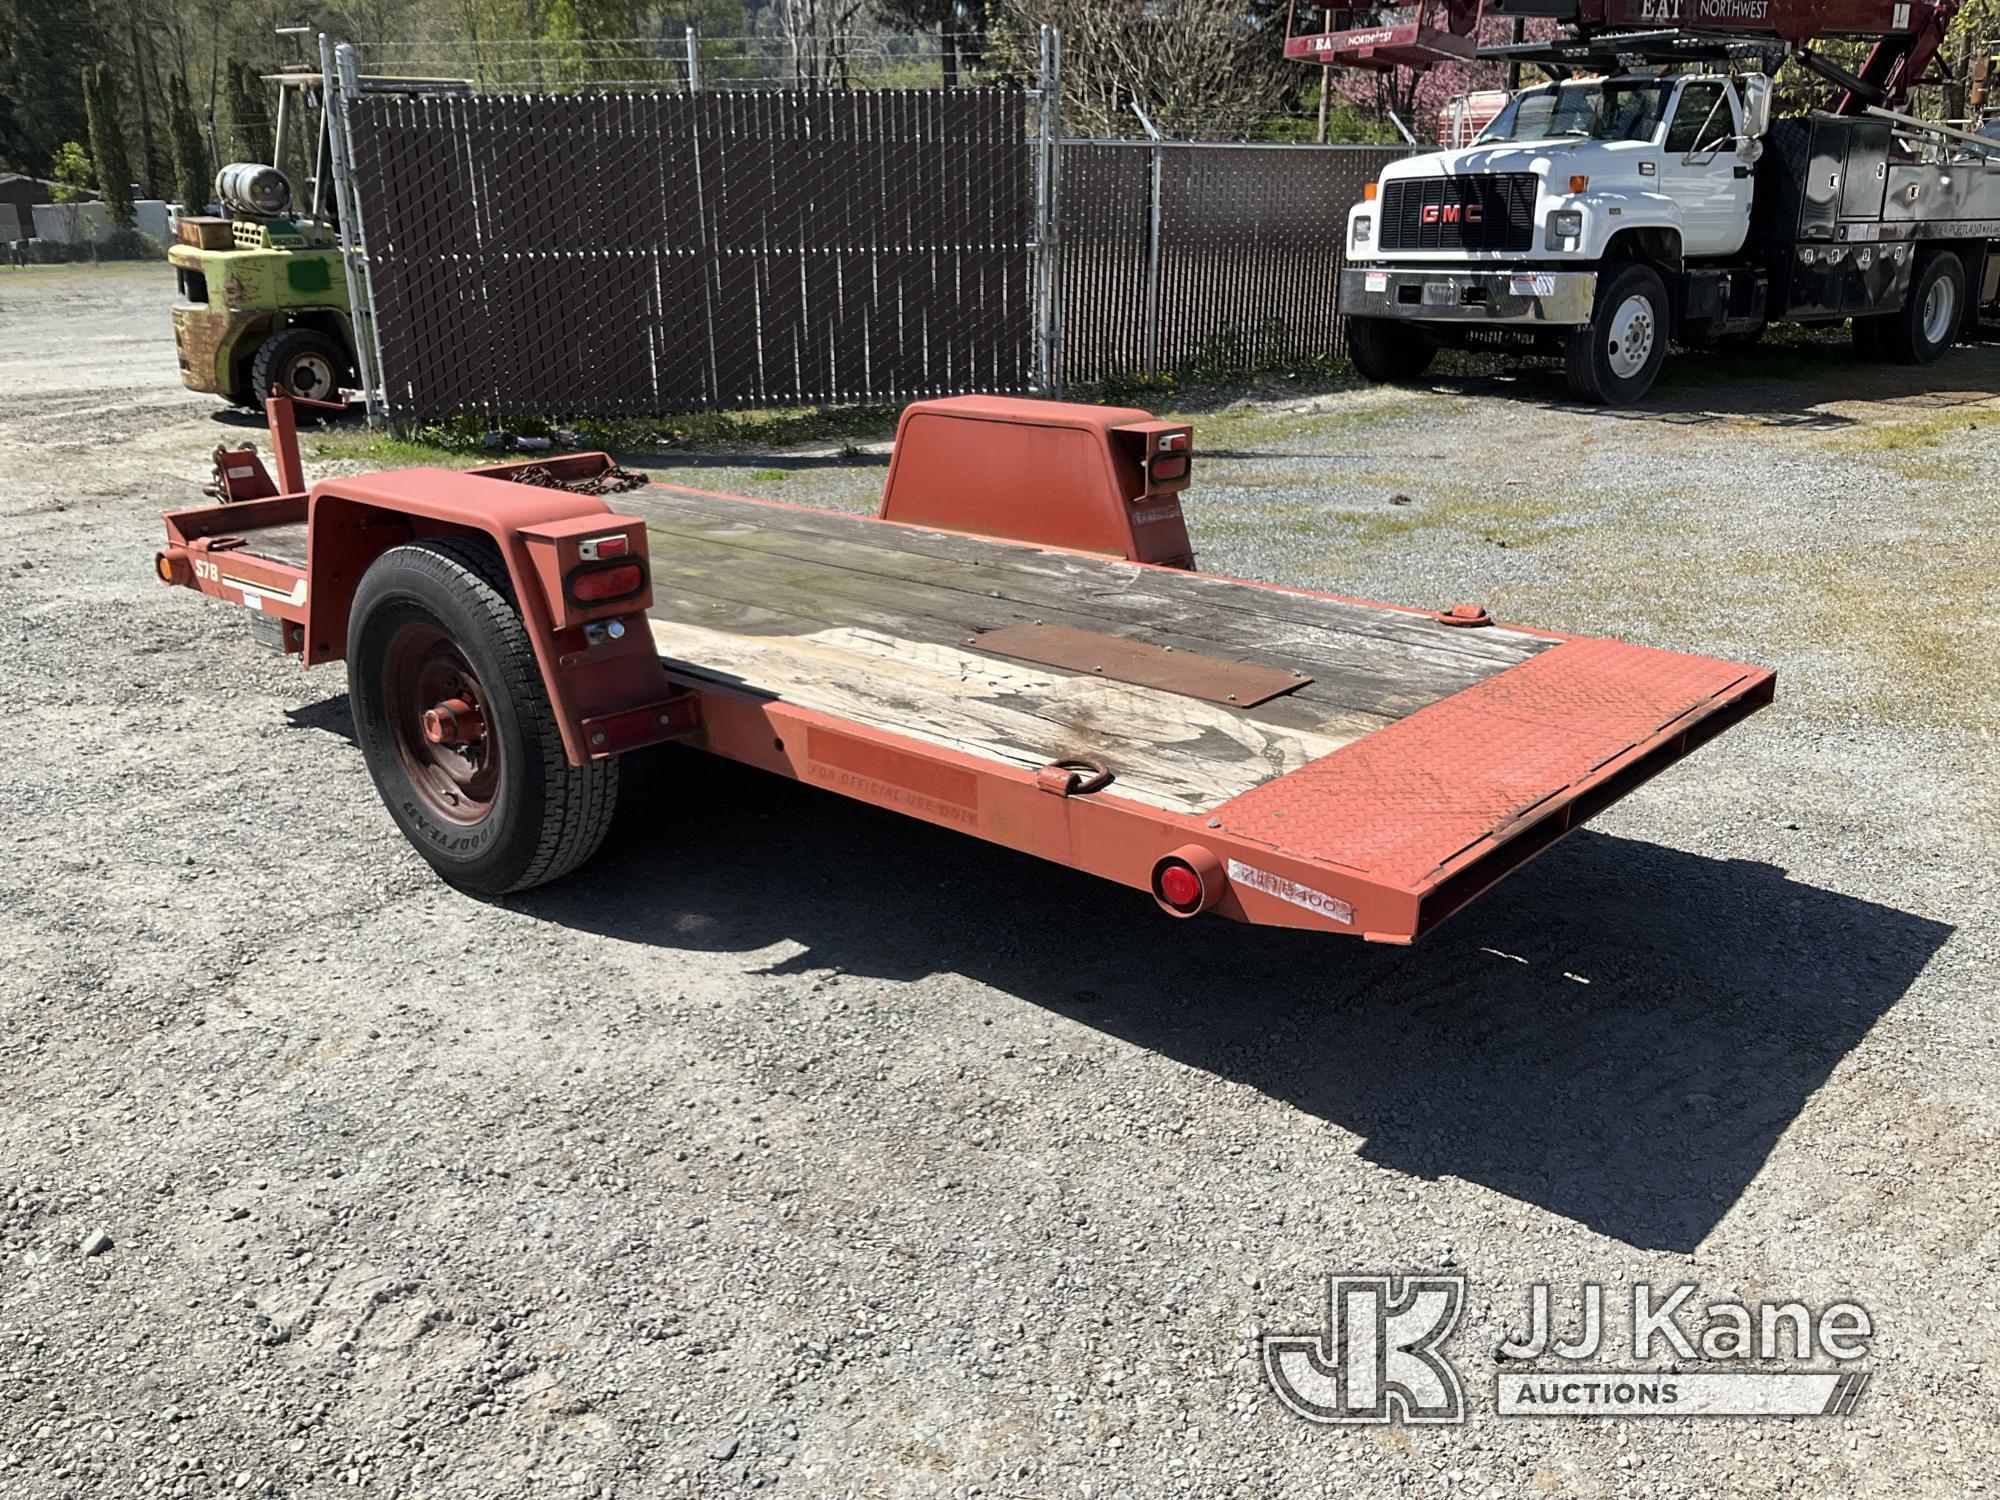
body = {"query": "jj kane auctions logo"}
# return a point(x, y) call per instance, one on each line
point(1381, 1356)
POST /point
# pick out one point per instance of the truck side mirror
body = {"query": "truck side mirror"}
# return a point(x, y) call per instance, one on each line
point(1756, 105)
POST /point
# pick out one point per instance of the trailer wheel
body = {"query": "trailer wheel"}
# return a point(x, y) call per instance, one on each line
point(1616, 357)
point(304, 361)
point(1929, 321)
point(456, 725)
point(1389, 351)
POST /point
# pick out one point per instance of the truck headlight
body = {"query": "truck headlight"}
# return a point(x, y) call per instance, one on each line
point(1566, 225)
point(1362, 227)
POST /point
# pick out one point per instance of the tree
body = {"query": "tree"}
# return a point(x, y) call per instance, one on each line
point(191, 172)
point(1201, 69)
point(249, 112)
point(71, 177)
point(107, 145)
point(70, 180)
point(954, 21)
point(13, 144)
point(818, 35)
point(44, 47)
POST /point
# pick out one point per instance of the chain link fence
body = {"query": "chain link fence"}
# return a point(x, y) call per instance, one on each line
point(571, 252)
point(591, 254)
point(1191, 256)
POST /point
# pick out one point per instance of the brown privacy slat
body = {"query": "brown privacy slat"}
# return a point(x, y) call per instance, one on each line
point(1251, 243)
point(576, 254)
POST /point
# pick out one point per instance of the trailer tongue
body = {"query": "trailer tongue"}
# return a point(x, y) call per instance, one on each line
point(1018, 647)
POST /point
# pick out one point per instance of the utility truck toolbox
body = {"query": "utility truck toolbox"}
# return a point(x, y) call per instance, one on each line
point(1037, 663)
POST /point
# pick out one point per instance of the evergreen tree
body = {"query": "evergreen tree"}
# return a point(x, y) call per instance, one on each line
point(13, 145)
point(44, 47)
point(191, 175)
point(249, 112)
point(107, 145)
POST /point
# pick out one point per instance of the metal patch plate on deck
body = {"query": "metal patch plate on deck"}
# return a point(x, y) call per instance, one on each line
point(1140, 663)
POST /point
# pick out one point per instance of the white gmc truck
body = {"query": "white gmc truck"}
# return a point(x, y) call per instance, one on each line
point(1603, 219)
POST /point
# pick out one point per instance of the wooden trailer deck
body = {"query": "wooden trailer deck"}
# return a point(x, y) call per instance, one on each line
point(893, 627)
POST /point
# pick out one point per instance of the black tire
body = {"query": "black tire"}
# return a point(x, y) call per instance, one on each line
point(1923, 330)
point(1598, 357)
point(1389, 351)
point(524, 815)
point(304, 361)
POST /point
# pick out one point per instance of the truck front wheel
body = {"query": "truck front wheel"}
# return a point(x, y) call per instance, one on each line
point(1616, 357)
point(456, 725)
point(1388, 351)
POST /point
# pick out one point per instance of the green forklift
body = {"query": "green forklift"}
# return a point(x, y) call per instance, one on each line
point(263, 295)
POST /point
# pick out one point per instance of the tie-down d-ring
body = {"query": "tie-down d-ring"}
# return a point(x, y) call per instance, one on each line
point(1073, 778)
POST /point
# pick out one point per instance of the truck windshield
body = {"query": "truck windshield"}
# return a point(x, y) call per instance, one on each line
point(1620, 110)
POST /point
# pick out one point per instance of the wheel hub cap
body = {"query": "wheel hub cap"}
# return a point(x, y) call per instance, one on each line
point(436, 711)
point(453, 722)
point(310, 376)
point(1632, 335)
point(1938, 309)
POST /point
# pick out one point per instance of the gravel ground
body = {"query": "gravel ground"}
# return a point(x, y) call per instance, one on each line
point(796, 1146)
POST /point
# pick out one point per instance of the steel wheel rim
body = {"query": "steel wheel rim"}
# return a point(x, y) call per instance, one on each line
point(1940, 302)
point(310, 375)
point(422, 668)
point(1632, 334)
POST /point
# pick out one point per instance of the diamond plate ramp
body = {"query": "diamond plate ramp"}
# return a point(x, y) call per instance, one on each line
point(1413, 800)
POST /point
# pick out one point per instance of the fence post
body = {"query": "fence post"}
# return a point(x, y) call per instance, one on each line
point(1048, 156)
point(1152, 245)
point(339, 83)
point(694, 63)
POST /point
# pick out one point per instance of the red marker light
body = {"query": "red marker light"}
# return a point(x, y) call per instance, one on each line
point(594, 585)
point(1180, 887)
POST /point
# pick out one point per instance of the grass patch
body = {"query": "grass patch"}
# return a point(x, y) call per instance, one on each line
point(462, 441)
point(1928, 430)
point(769, 476)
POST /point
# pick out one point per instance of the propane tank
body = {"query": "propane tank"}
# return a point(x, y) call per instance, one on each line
point(248, 187)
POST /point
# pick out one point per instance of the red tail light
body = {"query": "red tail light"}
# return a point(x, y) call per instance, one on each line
point(597, 585)
point(1189, 880)
point(1181, 887)
point(1170, 468)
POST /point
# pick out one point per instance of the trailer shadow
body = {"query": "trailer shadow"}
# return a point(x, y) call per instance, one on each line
point(1619, 1034)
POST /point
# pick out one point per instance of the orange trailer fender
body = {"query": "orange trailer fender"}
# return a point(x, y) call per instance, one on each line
point(580, 579)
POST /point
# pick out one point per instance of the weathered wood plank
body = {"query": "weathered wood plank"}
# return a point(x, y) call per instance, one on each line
point(1165, 750)
point(1030, 575)
point(1363, 673)
point(732, 593)
point(284, 544)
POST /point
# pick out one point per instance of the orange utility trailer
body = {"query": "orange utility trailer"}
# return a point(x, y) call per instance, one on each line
point(1018, 646)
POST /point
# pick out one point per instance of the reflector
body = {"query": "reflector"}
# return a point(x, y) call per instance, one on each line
point(1180, 886)
point(593, 585)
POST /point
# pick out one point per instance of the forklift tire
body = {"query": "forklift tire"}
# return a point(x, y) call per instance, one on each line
point(1388, 351)
point(456, 726)
point(1615, 358)
point(304, 361)
point(1930, 319)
